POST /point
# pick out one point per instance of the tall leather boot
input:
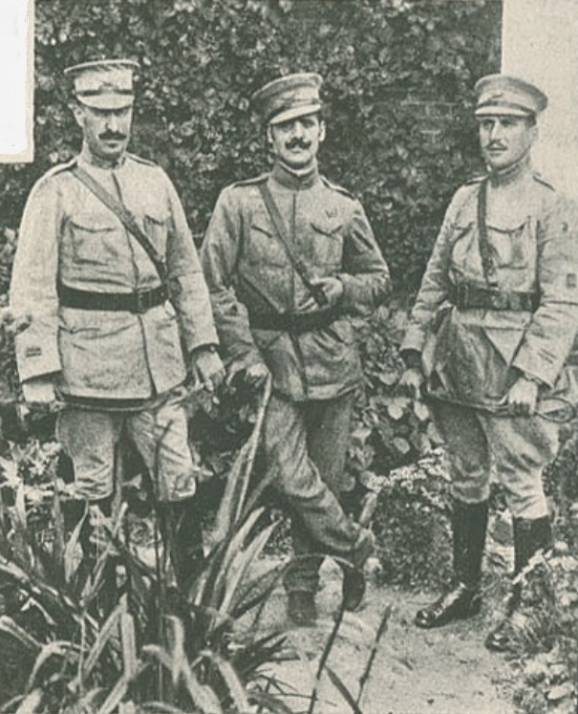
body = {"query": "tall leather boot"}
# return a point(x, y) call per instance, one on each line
point(183, 533)
point(469, 526)
point(530, 537)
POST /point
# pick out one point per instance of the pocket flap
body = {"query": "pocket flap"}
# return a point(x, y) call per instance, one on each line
point(94, 222)
point(328, 228)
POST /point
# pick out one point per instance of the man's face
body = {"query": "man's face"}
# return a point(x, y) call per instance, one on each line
point(106, 131)
point(296, 142)
point(504, 140)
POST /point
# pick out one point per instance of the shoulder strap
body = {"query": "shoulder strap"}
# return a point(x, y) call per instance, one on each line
point(124, 216)
point(485, 249)
point(295, 259)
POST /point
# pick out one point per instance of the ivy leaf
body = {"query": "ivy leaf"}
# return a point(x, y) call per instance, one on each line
point(421, 411)
point(402, 445)
point(396, 407)
point(560, 692)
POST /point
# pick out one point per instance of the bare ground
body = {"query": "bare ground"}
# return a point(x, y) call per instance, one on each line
point(443, 671)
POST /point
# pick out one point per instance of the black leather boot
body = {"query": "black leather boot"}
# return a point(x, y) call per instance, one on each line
point(182, 530)
point(469, 526)
point(301, 607)
point(530, 537)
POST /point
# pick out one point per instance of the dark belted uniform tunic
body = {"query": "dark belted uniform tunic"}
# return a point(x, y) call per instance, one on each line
point(473, 355)
point(316, 371)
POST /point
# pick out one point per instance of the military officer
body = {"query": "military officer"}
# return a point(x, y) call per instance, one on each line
point(289, 257)
point(116, 321)
point(491, 329)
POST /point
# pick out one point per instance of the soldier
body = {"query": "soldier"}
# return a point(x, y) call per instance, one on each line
point(491, 329)
point(107, 267)
point(289, 257)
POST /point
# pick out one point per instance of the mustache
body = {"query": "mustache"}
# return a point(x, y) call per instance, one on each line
point(496, 145)
point(298, 143)
point(112, 135)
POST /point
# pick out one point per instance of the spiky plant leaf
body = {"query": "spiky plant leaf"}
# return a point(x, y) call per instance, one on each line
point(13, 629)
point(239, 567)
point(31, 702)
point(231, 679)
point(59, 648)
point(128, 643)
point(343, 690)
point(103, 637)
point(201, 695)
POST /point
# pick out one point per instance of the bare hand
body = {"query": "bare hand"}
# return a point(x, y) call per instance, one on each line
point(256, 374)
point(523, 397)
point(332, 289)
point(412, 381)
point(39, 390)
point(14, 322)
point(207, 369)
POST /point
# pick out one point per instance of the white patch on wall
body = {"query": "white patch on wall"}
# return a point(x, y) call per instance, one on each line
point(16, 80)
point(540, 43)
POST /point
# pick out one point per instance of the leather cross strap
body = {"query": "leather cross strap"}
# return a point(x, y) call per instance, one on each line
point(315, 290)
point(488, 265)
point(125, 217)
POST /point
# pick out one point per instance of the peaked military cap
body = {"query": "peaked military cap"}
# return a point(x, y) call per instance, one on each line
point(503, 94)
point(104, 84)
point(288, 97)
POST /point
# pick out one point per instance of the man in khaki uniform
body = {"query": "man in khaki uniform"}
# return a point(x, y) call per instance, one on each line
point(289, 257)
point(109, 323)
point(492, 327)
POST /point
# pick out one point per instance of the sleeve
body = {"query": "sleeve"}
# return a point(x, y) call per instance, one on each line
point(365, 275)
point(187, 286)
point(33, 287)
point(434, 286)
point(219, 259)
point(549, 337)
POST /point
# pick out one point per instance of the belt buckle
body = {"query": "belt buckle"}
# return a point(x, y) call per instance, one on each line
point(142, 301)
point(497, 300)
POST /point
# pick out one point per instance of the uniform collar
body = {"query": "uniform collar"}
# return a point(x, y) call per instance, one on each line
point(294, 180)
point(87, 157)
point(512, 173)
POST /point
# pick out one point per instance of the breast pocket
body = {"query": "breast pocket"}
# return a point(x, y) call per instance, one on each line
point(263, 246)
point(327, 243)
point(512, 248)
point(95, 237)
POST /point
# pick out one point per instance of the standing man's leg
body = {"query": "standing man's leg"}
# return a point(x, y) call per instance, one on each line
point(161, 436)
point(469, 459)
point(89, 438)
point(316, 507)
point(328, 428)
point(522, 447)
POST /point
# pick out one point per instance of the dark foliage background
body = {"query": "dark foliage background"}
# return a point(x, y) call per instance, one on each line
point(398, 80)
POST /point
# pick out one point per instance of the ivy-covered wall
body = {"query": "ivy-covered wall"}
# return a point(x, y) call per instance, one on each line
point(398, 79)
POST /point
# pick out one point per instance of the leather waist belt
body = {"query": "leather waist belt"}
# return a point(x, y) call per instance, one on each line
point(138, 302)
point(296, 323)
point(466, 296)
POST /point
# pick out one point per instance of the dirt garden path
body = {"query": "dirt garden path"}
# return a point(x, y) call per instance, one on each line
point(445, 671)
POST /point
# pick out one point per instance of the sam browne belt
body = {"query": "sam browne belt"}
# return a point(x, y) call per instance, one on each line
point(137, 302)
point(293, 323)
point(468, 296)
